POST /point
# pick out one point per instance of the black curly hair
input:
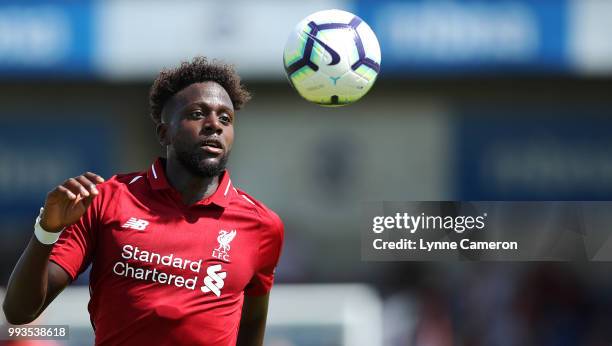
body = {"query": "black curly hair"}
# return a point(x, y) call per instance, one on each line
point(171, 81)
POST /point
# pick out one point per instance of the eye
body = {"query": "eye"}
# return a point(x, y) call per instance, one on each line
point(224, 118)
point(196, 115)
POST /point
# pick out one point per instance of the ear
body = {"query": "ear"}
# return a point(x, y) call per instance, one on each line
point(162, 134)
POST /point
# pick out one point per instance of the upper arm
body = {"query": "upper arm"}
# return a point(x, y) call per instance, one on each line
point(257, 291)
point(255, 308)
point(270, 247)
point(57, 281)
point(253, 320)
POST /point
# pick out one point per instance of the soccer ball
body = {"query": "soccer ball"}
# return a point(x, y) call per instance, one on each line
point(332, 58)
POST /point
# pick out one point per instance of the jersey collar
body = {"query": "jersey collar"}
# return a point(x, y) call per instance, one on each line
point(225, 191)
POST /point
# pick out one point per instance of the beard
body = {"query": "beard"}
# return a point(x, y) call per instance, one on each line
point(201, 164)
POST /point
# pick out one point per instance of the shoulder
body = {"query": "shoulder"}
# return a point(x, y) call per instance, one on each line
point(269, 219)
point(121, 182)
point(116, 189)
point(125, 179)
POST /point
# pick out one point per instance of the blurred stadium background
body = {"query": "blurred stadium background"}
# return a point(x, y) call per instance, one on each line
point(477, 100)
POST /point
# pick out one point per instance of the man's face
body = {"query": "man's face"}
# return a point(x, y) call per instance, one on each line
point(199, 129)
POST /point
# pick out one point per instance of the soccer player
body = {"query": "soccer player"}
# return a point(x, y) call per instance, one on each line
point(179, 255)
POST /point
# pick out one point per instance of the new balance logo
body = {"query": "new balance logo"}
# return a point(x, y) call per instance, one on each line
point(137, 224)
point(214, 281)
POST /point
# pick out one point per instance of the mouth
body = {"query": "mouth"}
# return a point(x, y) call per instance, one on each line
point(212, 146)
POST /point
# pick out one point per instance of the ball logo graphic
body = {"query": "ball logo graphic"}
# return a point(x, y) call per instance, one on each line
point(335, 56)
point(332, 58)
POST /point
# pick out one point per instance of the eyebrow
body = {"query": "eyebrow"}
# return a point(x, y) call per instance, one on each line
point(208, 105)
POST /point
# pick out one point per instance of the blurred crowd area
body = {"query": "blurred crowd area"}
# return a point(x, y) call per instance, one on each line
point(500, 304)
point(530, 120)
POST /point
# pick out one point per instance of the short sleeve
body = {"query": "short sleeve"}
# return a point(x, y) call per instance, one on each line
point(74, 249)
point(269, 254)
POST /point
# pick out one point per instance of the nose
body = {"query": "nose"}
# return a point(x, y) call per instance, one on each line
point(212, 125)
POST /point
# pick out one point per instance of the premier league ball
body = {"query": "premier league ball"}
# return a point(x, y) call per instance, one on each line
point(332, 58)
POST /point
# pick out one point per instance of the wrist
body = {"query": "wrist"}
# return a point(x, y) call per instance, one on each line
point(47, 228)
point(44, 236)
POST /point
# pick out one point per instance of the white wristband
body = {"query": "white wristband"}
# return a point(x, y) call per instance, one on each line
point(47, 238)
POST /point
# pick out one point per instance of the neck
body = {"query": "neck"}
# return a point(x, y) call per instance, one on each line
point(192, 187)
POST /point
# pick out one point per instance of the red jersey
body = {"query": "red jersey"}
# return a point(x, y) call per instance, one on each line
point(165, 273)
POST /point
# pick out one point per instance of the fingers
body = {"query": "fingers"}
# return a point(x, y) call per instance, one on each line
point(76, 187)
point(94, 177)
point(87, 184)
point(64, 191)
point(83, 186)
point(87, 201)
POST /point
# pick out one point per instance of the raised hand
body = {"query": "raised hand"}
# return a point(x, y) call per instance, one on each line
point(68, 202)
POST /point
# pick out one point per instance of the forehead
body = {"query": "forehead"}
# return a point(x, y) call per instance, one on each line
point(211, 93)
